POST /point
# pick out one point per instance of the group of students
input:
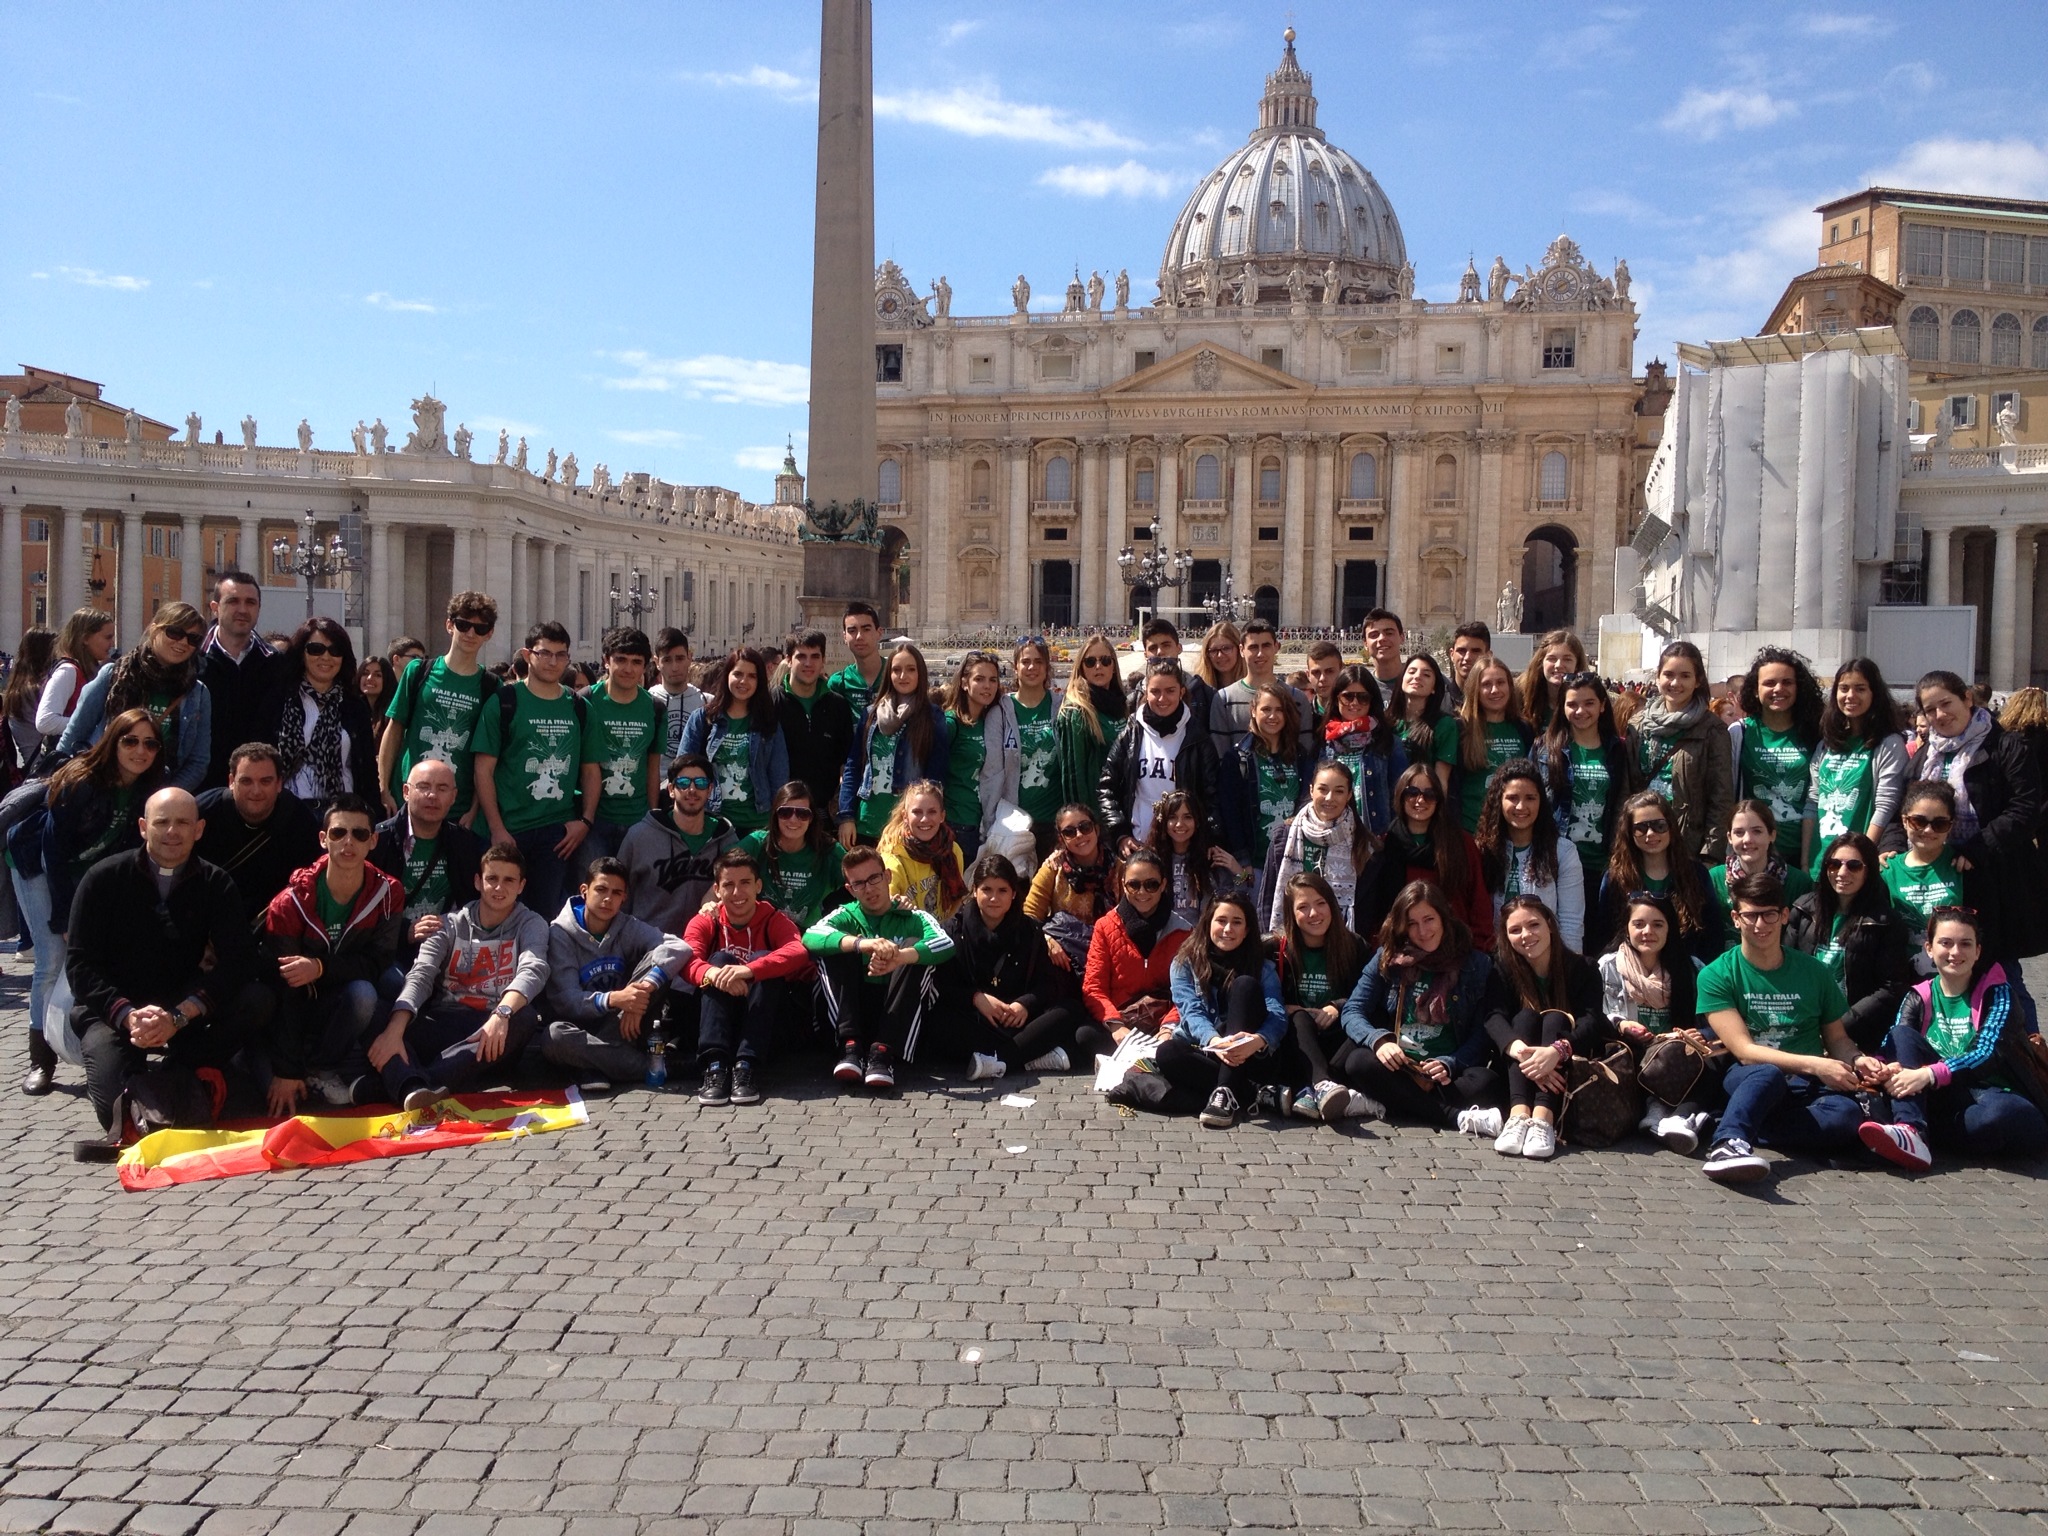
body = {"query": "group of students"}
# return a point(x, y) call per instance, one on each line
point(1388, 887)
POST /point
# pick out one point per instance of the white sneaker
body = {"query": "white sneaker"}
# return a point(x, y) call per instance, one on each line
point(1541, 1142)
point(1677, 1133)
point(331, 1088)
point(1479, 1122)
point(1897, 1144)
point(1054, 1060)
point(982, 1068)
point(1513, 1136)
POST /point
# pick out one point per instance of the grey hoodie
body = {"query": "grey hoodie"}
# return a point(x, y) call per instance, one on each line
point(583, 966)
point(668, 879)
point(468, 963)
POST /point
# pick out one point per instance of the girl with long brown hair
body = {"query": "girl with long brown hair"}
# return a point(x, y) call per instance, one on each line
point(903, 738)
point(1645, 856)
point(1490, 732)
point(1544, 1005)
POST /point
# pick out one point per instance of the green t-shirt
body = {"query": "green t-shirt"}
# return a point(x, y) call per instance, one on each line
point(1950, 1029)
point(1277, 785)
point(963, 772)
point(333, 913)
point(1829, 952)
point(1311, 979)
point(855, 689)
point(1917, 889)
point(1844, 793)
point(1422, 1041)
point(880, 799)
point(426, 893)
point(1038, 788)
point(732, 778)
point(1586, 816)
point(1784, 1008)
point(799, 883)
point(536, 777)
point(1774, 769)
point(443, 724)
point(618, 738)
point(1503, 745)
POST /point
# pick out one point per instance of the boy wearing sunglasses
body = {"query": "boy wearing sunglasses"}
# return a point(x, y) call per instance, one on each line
point(436, 704)
point(669, 853)
point(335, 929)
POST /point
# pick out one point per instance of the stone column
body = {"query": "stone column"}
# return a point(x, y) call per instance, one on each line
point(1404, 525)
point(551, 585)
point(13, 598)
point(191, 562)
point(1292, 535)
point(1489, 513)
point(1107, 583)
point(1089, 555)
point(940, 539)
point(67, 581)
point(522, 591)
point(130, 610)
point(462, 568)
point(2004, 604)
point(1938, 544)
point(386, 594)
point(1167, 489)
point(250, 555)
point(1322, 571)
point(2023, 610)
point(1243, 468)
point(1596, 587)
point(1017, 538)
point(842, 444)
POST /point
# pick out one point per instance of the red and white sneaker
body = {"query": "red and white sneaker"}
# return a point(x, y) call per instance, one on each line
point(1899, 1144)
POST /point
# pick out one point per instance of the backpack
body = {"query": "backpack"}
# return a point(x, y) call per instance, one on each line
point(415, 683)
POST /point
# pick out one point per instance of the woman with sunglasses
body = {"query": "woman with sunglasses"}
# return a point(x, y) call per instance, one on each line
point(1543, 1007)
point(1417, 711)
point(1127, 983)
point(1524, 855)
point(1039, 791)
point(1320, 961)
point(93, 811)
point(1091, 714)
point(1489, 731)
point(1850, 924)
point(1772, 746)
point(160, 675)
point(1753, 849)
point(1200, 869)
point(1643, 858)
point(1264, 776)
point(1861, 767)
point(1588, 772)
point(798, 857)
point(982, 767)
point(902, 738)
point(1358, 736)
point(1930, 873)
point(1417, 1041)
point(1073, 888)
point(1680, 748)
point(1002, 1006)
point(325, 746)
point(1557, 656)
point(1426, 844)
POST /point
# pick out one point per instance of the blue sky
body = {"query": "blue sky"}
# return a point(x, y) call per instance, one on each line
point(592, 224)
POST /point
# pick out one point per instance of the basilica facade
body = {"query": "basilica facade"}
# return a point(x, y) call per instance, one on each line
point(1285, 412)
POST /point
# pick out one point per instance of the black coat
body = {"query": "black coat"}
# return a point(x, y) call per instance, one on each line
point(818, 741)
point(246, 697)
point(1877, 960)
point(258, 859)
point(1009, 963)
point(129, 947)
point(1195, 771)
point(1584, 1000)
point(461, 849)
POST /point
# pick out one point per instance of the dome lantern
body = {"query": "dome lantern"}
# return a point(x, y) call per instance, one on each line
point(1289, 105)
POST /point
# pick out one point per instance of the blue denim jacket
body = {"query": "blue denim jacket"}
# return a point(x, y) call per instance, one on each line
point(1199, 1005)
point(1375, 787)
point(856, 780)
point(1368, 1014)
point(192, 728)
point(767, 756)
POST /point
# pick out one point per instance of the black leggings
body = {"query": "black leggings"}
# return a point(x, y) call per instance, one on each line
point(1407, 1099)
point(1197, 1073)
point(1314, 1045)
point(1029, 1041)
point(1531, 1028)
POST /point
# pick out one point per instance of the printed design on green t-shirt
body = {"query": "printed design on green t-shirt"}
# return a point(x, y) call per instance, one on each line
point(881, 764)
point(1421, 1041)
point(1843, 794)
point(1589, 797)
point(733, 767)
point(1950, 1028)
point(1774, 770)
point(1919, 889)
point(1276, 793)
point(1783, 1008)
point(446, 715)
point(428, 892)
point(1312, 979)
point(1036, 747)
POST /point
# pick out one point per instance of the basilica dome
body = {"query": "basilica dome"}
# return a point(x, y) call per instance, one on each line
point(1287, 215)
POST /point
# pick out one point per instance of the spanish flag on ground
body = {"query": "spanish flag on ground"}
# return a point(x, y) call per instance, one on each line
point(321, 1141)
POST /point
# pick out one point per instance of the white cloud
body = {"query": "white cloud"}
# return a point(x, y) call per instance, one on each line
point(766, 457)
point(1843, 24)
point(86, 277)
point(651, 437)
point(1597, 41)
point(1725, 294)
point(1709, 114)
point(1995, 167)
point(1914, 76)
point(711, 376)
point(383, 300)
point(980, 112)
point(1127, 180)
point(777, 82)
point(953, 34)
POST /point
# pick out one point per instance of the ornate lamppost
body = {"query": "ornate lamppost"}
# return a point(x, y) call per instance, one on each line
point(636, 599)
point(1226, 607)
point(1158, 569)
point(309, 558)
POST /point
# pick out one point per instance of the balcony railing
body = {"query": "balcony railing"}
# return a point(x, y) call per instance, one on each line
point(1060, 509)
point(1361, 506)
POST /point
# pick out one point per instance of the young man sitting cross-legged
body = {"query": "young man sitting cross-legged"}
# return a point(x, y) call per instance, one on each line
point(879, 972)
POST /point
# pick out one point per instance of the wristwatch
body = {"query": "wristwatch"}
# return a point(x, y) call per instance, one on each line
point(501, 1012)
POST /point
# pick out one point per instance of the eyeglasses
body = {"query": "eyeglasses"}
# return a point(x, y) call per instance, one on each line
point(132, 740)
point(473, 626)
point(319, 648)
point(1077, 829)
point(1929, 823)
point(880, 875)
point(691, 781)
point(1853, 866)
point(185, 636)
point(1144, 885)
point(792, 813)
point(1755, 916)
point(540, 655)
point(360, 834)
point(1656, 828)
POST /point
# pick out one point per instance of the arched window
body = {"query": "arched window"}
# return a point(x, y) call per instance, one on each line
point(1208, 478)
point(977, 481)
point(1923, 335)
point(890, 482)
point(1550, 574)
point(1444, 478)
point(1965, 337)
point(1269, 480)
point(2041, 342)
point(1556, 478)
point(1365, 477)
point(1145, 484)
point(2005, 341)
point(1059, 478)
point(1266, 604)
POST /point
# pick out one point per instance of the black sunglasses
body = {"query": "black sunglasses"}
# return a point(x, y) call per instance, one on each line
point(1077, 829)
point(793, 813)
point(360, 834)
point(189, 636)
point(132, 740)
point(473, 626)
point(1144, 885)
point(319, 648)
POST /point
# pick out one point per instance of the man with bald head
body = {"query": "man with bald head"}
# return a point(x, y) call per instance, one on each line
point(144, 1000)
point(431, 855)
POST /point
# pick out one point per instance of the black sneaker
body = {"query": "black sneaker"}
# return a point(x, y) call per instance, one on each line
point(1273, 1100)
point(1734, 1162)
point(1220, 1113)
point(717, 1090)
point(881, 1073)
point(743, 1089)
point(849, 1069)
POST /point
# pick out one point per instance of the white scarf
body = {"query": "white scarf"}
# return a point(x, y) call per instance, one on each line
point(1306, 830)
point(1154, 780)
point(1949, 758)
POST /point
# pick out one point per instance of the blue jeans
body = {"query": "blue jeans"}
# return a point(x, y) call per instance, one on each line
point(32, 895)
point(1980, 1121)
point(1768, 1106)
point(442, 1043)
point(604, 842)
point(969, 839)
point(546, 875)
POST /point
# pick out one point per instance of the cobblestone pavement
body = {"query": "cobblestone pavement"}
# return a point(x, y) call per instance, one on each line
point(940, 1314)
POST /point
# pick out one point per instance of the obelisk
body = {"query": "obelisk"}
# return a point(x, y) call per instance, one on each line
point(842, 445)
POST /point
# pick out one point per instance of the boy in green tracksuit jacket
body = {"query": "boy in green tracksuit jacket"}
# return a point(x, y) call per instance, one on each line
point(878, 964)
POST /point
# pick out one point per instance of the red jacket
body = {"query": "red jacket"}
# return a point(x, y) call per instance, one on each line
point(774, 944)
point(369, 940)
point(1477, 906)
point(1117, 974)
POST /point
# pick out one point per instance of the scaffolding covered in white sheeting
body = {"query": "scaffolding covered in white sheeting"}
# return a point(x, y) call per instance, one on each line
point(1773, 498)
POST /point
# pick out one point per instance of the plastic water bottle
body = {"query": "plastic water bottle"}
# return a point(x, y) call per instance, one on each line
point(657, 1060)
